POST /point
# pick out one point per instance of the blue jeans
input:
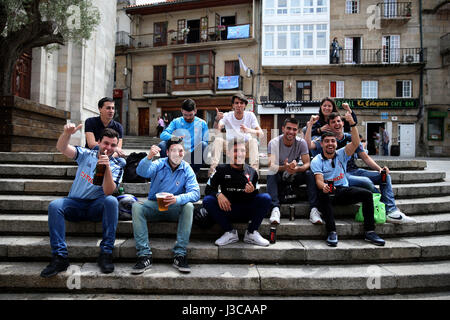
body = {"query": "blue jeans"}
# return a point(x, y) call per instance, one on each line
point(274, 181)
point(104, 209)
point(194, 158)
point(367, 179)
point(148, 211)
point(254, 210)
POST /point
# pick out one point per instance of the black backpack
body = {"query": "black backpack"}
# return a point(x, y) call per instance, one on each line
point(129, 174)
point(202, 218)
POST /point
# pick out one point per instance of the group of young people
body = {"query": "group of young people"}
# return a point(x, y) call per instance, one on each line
point(232, 191)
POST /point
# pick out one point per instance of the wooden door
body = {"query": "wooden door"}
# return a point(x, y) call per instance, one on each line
point(160, 34)
point(21, 77)
point(267, 124)
point(144, 127)
point(159, 79)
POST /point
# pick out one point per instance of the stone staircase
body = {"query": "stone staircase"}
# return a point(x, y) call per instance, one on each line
point(416, 257)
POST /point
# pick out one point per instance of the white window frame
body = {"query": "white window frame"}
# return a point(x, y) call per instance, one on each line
point(406, 88)
point(369, 89)
point(340, 89)
point(282, 10)
point(350, 6)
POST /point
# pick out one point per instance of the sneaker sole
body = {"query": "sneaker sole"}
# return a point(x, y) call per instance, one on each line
point(140, 271)
point(318, 222)
point(53, 274)
point(375, 243)
point(230, 242)
point(332, 244)
point(257, 244)
point(394, 221)
point(181, 269)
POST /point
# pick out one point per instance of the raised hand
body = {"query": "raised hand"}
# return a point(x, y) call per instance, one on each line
point(219, 115)
point(70, 128)
point(154, 150)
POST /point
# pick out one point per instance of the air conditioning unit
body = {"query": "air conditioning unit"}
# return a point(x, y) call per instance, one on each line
point(411, 58)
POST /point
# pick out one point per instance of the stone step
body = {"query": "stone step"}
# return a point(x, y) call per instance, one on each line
point(69, 171)
point(283, 251)
point(300, 228)
point(62, 187)
point(58, 158)
point(235, 279)
point(26, 204)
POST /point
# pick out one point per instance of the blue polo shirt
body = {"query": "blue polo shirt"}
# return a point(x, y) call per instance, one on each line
point(181, 182)
point(321, 165)
point(96, 126)
point(194, 132)
point(82, 187)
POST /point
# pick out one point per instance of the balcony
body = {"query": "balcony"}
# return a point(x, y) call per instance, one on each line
point(211, 34)
point(153, 89)
point(395, 12)
point(403, 56)
point(123, 39)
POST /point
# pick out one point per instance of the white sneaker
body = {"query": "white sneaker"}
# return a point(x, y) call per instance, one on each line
point(255, 238)
point(275, 216)
point(227, 238)
point(399, 217)
point(314, 216)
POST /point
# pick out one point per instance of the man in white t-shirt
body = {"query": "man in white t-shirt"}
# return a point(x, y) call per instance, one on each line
point(239, 124)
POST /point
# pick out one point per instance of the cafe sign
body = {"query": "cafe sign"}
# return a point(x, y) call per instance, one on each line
point(378, 103)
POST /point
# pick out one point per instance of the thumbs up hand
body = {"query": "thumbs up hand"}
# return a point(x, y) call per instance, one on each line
point(219, 115)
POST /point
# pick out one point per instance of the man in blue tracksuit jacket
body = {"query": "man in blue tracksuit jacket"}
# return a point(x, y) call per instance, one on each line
point(194, 132)
point(175, 176)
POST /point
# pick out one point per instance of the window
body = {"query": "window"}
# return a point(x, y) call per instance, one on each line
point(308, 6)
point(270, 7)
point(308, 39)
point(232, 68)
point(403, 88)
point(321, 40)
point(369, 89)
point(193, 70)
point(321, 6)
point(352, 7)
point(436, 121)
point(275, 90)
point(282, 40)
point(295, 40)
point(282, 7)
point(337, 89)
point(269, 43)
point(304, 91)
point(295, 7)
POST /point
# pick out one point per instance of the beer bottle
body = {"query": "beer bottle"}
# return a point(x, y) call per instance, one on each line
point(121, 191)
point(98, 174)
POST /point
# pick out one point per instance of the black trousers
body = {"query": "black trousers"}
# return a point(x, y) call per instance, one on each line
point(346, 196)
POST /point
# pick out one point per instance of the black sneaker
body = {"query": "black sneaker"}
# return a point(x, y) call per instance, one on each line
point(372, 237)
point(143, 263)
point(180, 262)
point(105, 263)
point(332, 239)
point(57, 265)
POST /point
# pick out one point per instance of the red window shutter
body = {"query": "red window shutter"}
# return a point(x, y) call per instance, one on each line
point(333, 89)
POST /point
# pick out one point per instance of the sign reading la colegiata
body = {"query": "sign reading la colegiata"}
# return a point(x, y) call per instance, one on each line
point(379, 103)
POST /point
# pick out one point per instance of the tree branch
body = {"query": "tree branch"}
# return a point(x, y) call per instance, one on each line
point(3, 16)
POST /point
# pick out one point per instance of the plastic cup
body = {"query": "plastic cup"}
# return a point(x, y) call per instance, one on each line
point(160, 199)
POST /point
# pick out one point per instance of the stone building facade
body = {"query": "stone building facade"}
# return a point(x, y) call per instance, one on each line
point(188, 49)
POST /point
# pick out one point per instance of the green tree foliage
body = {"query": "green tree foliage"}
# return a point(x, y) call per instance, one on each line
point(26, 24)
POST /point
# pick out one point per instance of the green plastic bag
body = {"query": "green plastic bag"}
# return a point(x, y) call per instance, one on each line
point(379, 210)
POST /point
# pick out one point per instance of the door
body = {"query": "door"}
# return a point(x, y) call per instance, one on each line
point(352, 52)
point(391, 49)
point(267, 124)
point(390, 8)
point(159, 79)
point(204, 29)
point(407, 140)
point(194, 31)
point(144, 122)
point(226, 21)
point(21, 77)
point(160, 34)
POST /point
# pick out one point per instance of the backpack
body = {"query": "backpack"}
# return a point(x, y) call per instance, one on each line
point(129, 172)
point(202, 218)
point(379, 210)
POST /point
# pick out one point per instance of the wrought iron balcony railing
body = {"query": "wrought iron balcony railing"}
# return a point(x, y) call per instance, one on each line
point(157, 87)
point(123, 39)
point(393, 10)
point(380, 56)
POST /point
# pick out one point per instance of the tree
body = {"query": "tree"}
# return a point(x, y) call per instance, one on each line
point(26, 24)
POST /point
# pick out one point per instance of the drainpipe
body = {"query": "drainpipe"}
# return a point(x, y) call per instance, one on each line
point(420, 114)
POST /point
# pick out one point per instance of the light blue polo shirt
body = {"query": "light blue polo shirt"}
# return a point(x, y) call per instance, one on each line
point(83, 187)
point(194, 132)
point(319, 165)
point(181, 182)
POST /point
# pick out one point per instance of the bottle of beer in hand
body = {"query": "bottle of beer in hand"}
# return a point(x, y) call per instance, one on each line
point(98, 174)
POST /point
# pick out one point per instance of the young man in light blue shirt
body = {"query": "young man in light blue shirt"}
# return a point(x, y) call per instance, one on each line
point(86, 201)
point(330, 166)
point(194, 132)
point(175, 176)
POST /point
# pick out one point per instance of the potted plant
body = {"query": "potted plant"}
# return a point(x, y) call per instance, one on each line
point(185, 32)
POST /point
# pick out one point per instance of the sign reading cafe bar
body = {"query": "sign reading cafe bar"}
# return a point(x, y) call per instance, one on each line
point(378, 103)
